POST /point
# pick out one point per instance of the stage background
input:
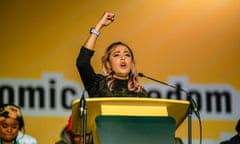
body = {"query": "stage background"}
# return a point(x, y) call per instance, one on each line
point(194, 43)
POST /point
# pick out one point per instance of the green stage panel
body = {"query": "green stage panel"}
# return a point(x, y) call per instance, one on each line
point(135, 130)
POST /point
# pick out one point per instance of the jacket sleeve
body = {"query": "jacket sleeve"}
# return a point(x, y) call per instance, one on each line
point(85, 68)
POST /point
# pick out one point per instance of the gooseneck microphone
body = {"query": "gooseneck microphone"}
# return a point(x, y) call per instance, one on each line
point(142, 75)
point(193, 103)
point(193, 107)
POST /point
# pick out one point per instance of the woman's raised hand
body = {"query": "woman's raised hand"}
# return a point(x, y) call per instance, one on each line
point(106, 19)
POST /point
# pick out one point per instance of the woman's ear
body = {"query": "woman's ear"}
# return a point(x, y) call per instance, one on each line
point(108, 65)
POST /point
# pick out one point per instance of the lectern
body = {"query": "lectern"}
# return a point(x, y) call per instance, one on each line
point(130, 120)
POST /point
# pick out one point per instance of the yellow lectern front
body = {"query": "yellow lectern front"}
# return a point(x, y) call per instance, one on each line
point(127, 106)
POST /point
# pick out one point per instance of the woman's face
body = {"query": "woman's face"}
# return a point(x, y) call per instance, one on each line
point(8, 129)
point(120, 60)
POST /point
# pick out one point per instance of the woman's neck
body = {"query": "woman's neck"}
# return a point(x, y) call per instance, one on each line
point(120, 77)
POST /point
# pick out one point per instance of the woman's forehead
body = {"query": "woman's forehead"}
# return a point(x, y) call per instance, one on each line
point(120, 48)
point(10, 121)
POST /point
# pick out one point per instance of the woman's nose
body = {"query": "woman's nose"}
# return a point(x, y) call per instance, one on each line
point(123, 57)
point(9, 129)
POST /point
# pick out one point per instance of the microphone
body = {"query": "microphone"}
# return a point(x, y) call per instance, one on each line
point(192, 102)
point(142, 75)
point(82, 105)
point(83, 116)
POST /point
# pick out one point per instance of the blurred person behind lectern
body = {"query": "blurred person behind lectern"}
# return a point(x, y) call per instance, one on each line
point(68, 137)
point(236, 138)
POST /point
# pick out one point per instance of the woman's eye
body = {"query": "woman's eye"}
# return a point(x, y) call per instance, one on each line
point(4, 126)
point(115, 55)
point(15, 126)
point(128, 55)
point(124, 54)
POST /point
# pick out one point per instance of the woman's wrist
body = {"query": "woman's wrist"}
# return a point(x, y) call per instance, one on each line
point(94, 31)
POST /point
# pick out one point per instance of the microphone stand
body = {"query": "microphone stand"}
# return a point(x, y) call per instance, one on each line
point(193, 106)
point(83, 110)
point(190, 122)
point(83, 116)
point(84, 125)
